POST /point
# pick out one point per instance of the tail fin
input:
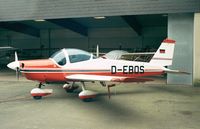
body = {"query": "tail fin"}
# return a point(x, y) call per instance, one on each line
point(164, 54)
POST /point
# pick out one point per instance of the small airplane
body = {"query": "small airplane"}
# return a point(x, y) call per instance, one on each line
point(75, 65)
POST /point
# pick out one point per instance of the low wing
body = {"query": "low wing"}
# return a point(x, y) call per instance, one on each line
point(86, 77)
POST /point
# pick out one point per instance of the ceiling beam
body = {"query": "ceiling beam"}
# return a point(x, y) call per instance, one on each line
point(71, 25)
point(133, 23)
point(21, 28)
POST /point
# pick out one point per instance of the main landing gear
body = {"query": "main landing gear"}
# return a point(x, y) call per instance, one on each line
point(69, 88)
point(38, 93)
point(86, 95)
point(108, 86)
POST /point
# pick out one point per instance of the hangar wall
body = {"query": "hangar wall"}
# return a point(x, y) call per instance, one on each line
point(13, 10)
point(19, 40)
point(107, 38)
point(196, 63)
point(113, 38)
point(180, 28)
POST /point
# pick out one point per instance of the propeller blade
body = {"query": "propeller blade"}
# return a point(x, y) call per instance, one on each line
point(16, 57)
point(15, 65)
point(17, 73)
point(17, 68)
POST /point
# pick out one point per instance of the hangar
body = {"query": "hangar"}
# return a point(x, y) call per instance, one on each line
point(38, 28)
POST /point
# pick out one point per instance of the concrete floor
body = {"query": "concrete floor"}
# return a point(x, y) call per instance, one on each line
point(132, 106)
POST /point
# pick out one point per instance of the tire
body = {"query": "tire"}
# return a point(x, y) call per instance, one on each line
point(88, 100)
point(37, 97)
point(71, 90)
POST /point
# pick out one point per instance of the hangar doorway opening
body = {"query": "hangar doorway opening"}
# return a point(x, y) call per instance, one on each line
point(133, 35)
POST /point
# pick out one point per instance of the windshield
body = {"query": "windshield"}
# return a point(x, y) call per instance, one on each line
point(59, 57)
point(75, 55)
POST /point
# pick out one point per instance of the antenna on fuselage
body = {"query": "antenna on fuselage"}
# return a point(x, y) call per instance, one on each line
point(97, 51)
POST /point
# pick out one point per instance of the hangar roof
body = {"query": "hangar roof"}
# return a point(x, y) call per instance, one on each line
point(16, 10)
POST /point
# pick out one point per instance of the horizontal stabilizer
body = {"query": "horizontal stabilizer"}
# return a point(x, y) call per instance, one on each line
point(175, 71)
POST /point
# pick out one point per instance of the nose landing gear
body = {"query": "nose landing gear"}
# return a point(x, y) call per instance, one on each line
point(38, 93)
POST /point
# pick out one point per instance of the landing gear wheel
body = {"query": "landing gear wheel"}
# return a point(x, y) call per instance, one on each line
point(37, 97)
point(87, 95)
point(71, 89)
point(38, 93)
point(88, 100)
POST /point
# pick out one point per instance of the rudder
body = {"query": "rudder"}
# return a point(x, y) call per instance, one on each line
point(164, 54)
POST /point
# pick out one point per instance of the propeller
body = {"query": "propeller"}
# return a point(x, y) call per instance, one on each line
point(15, 65)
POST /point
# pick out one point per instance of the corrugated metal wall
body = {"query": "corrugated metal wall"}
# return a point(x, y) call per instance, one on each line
point(181, 28)
point(11, 10)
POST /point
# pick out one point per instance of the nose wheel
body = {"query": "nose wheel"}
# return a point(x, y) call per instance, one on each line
point(38, 93)
point(37, 97)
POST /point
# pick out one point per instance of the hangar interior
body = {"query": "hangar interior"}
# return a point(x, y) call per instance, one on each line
point(41, 28)
point(141, 33)
point(36, 39)
point(40, 38)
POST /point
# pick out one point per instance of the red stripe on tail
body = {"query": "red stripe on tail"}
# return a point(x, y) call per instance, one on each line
point(167, 40)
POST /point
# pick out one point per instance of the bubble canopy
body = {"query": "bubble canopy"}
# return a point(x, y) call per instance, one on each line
point(64, 56)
